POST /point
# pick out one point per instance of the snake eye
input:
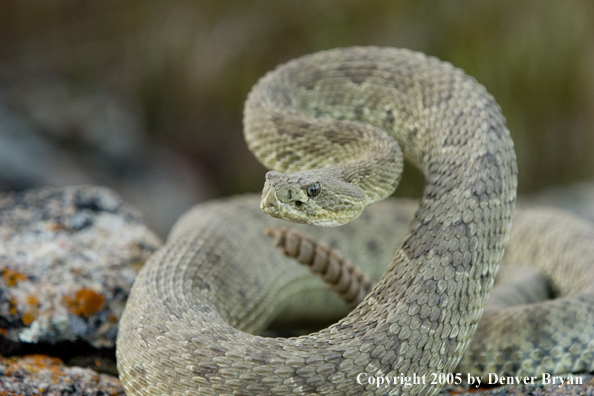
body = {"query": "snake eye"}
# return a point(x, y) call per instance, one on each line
point(314, 189)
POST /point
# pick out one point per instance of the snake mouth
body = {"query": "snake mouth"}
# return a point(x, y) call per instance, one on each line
point(270, 204)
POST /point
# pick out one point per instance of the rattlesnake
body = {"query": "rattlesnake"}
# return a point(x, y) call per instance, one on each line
point(186, 326)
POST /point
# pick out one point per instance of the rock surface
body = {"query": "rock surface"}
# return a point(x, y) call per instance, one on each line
point(68, 258)
point(44, 375)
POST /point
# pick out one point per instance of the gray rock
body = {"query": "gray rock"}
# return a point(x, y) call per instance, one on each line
point(68, 257)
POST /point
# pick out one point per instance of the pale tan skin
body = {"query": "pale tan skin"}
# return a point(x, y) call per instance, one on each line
point(185, 328)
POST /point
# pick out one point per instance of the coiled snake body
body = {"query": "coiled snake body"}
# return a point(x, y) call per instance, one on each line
point(333, 123)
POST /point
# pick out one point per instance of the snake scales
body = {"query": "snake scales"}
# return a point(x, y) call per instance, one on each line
point(186, 326)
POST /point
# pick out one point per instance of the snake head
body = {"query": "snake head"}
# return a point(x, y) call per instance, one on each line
point(315, 197)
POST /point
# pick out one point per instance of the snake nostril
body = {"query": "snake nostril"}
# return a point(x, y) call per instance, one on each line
point(298, 203)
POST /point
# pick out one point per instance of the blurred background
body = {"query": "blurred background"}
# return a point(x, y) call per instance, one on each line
point(146, 96)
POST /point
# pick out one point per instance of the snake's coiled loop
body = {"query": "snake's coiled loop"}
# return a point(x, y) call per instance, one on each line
point(181, 331)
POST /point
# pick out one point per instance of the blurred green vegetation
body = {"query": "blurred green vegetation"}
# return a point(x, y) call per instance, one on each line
point(186, 66)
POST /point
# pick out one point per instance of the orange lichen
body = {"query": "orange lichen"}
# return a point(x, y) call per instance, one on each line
point(28, 318)
point(55, 227)
point(33, 364)
point(12, 277)
point(31, 311)
point(49, 363)
point(85, 302)
point(32, 300)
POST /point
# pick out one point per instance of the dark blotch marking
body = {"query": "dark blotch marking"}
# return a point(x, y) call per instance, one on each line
point(434, 95)
point(201, 284)
point(294, 131)
point(217, 351)
point(358, 73)
point(372, 246)
point(336, 137)
point(432, 231)
point(286, 157)
point(389, 121)
point(205, 369)
point(401, 79)
point(346, 132)
point(497, 131)
point(488, 168)
point(214, 258)
point(440, 185)
point(455, 137)
point(258, 360)
point(309, 83)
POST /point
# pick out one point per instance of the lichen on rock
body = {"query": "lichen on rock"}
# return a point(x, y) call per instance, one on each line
point(68, 257)
point(44, 375)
